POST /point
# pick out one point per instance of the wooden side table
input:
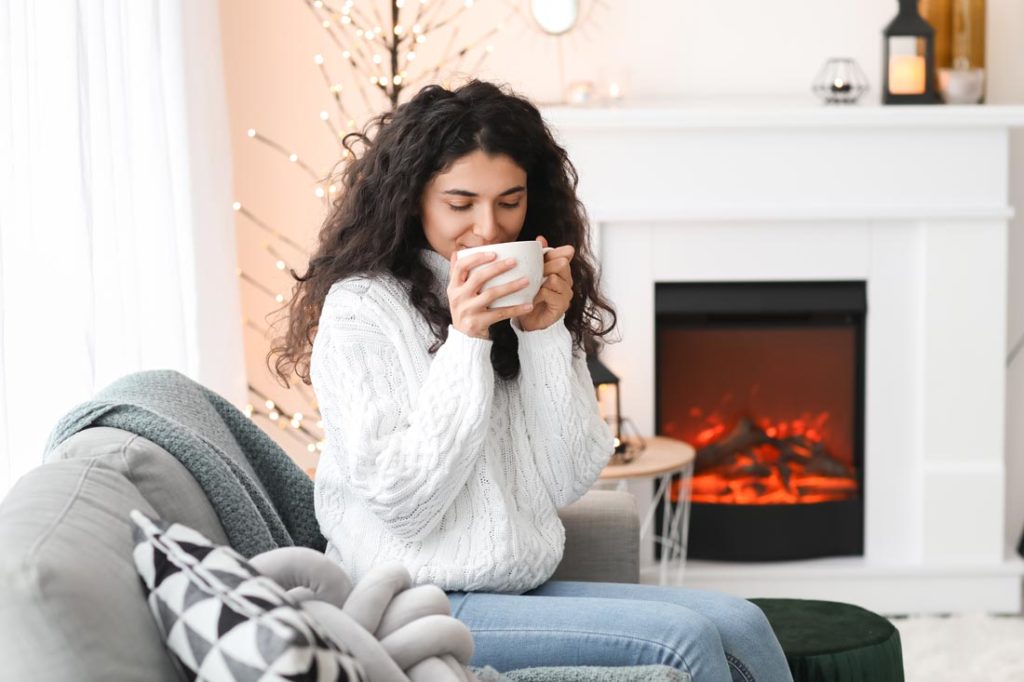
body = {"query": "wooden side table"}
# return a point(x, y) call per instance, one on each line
point(660, 461)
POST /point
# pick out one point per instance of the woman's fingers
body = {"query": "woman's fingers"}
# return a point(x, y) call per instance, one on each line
point(567, 252)
point(482, 275)
point(499, 314)
point(491, 295)
point(461, 266)
point(557, 284)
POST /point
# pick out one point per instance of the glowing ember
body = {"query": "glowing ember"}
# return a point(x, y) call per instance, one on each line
point(761, 462)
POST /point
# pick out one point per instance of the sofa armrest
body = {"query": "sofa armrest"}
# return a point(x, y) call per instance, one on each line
point(602, 539)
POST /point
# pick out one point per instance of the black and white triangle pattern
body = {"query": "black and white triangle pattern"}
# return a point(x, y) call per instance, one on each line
point(222, 620)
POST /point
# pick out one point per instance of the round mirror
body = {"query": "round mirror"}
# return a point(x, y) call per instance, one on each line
point(555, 16)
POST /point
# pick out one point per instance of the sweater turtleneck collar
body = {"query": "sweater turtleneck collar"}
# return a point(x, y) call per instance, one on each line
point(441, 268)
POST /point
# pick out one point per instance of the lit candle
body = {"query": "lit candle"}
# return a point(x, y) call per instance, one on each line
point(906, 75)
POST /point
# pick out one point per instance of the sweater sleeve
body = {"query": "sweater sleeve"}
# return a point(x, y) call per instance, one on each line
point(570, 441)
point(405, 450)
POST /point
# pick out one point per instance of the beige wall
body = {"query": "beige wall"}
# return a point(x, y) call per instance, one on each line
point(656, 48)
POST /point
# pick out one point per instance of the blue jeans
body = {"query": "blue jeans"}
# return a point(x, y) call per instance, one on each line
point(712, 636)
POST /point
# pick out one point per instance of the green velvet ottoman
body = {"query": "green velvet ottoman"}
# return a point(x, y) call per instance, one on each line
point(827, 641)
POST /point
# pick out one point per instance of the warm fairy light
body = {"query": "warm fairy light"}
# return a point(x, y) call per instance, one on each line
point(373, 49)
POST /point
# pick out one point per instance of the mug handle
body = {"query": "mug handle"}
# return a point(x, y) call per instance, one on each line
point(545, 249)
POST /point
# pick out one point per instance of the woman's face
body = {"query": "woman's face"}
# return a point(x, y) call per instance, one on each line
point(478, 200)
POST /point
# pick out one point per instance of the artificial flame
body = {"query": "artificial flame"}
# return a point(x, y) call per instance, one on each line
point(765, 462)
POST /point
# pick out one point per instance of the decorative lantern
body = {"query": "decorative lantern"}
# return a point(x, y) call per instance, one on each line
point(909, 58)
point(606, 384)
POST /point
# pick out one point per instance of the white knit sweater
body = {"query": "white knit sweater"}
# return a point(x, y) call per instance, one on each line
point(433, 461)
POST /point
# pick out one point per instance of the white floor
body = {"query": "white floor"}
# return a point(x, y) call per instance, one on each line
point(963, 648)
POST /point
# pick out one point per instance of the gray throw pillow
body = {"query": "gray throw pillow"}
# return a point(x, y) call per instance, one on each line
point(224, 620)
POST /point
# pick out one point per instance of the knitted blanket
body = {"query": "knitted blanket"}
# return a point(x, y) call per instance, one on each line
point(262, 498)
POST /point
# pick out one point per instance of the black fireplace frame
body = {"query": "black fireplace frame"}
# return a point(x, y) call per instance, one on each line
point(747, 533)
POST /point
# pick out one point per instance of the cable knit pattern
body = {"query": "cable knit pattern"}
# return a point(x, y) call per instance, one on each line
point(434, 462)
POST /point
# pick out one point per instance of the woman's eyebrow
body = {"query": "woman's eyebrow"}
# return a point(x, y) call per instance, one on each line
point(467, 193)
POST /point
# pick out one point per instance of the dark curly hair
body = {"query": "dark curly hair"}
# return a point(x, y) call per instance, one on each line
point(374, 226)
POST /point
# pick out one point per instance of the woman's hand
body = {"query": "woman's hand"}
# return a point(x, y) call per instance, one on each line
point(468, 304)
point(555, 293)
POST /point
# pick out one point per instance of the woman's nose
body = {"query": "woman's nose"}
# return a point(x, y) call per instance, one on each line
point(487, 225)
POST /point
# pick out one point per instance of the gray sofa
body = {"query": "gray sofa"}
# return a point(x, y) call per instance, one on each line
point(71, 605)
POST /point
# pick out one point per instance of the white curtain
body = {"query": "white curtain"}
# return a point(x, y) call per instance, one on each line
point(117, 248)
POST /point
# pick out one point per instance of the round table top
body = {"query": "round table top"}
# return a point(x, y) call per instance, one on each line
point(661, 456)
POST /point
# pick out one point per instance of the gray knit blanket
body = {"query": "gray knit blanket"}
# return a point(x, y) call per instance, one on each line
point(263, 499)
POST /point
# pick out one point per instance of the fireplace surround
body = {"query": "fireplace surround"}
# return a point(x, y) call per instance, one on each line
point(910, 201)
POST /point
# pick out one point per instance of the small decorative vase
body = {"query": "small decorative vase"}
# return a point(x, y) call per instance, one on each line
point(840, 81)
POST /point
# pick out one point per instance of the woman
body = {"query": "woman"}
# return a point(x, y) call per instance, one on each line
point(455, 431)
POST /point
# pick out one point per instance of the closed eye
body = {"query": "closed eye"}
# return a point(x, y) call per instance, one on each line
point(466, 207)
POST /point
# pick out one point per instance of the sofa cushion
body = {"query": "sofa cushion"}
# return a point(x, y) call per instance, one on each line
point(70, 603)
point(164, 481)
point(222, 619)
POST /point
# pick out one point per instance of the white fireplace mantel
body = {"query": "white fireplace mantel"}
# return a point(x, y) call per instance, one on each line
point(911, 200)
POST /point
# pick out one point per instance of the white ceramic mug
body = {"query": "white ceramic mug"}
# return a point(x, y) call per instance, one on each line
point(529, 264)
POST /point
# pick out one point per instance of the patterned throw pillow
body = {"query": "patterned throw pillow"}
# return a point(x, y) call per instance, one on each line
point(221, 619)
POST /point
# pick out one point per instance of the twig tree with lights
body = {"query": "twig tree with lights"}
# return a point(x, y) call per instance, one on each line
point(382, 50)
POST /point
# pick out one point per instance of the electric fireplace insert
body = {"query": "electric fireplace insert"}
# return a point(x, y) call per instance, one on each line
point(766, 381)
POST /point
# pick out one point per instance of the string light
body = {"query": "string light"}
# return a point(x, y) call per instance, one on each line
point(364, 45)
